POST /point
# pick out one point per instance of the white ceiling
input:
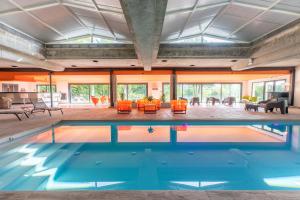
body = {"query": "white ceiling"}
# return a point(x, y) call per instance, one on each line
point(236, 20)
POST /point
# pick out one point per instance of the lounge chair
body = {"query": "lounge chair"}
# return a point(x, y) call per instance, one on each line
point(124, 106)
point(270, 104)
point(178, 106)
point(17, 112)
point(40, 106)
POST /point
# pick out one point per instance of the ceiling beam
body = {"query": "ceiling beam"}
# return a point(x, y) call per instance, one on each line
point(91, 7)
point(243, 4)
point(221, 11)
point(254, 18)
point(30, 8)
point(103, 18)
point(145, 21)
point(197, 8)
point(72, 14)
point(188, 19)
point(207, 35)
point(37, 19)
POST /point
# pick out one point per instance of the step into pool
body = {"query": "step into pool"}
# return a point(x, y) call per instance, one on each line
point(156, 155)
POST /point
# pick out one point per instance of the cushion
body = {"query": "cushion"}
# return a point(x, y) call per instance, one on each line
point(5, 103)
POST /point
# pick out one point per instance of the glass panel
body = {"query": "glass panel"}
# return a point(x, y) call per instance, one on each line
point(258, 90)
point(269, 88)
point(80, 93)
point(122, 90)
point(211, 90)
point(167, 91)
point(280, 86)
point(100, 90)
point(191, 90)
point(132, 91)
point(179, 90)
point(231, 90)
point(136, 91)
point(45, 88)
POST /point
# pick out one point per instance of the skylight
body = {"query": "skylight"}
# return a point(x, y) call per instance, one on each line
point(202, 39)
point(89, 40)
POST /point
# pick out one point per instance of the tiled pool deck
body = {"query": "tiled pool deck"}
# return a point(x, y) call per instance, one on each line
point(153, 195)
point(9, 125)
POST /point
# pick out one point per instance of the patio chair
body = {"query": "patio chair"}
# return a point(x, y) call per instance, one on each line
point(229, 100)
point(124, 106)
point(178, 106)
point(213, 100)
point(40, 106)
point(195, 100)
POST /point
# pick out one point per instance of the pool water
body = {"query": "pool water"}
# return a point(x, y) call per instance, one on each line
point(154, 156)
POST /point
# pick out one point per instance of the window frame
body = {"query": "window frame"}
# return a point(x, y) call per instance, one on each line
point(89, 84)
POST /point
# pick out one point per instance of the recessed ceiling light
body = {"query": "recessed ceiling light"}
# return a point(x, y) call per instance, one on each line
point(192, 65)
point(95, 61)
point(73, 65)
point(233, 60)
point(164, 60)
point(132, 65)
point(14, 66)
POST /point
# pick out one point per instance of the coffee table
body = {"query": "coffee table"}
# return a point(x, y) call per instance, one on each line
point(251, 106)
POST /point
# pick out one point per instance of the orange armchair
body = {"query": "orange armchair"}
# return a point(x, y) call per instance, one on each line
point(140, 104)
point(124, 106)
point(157, 102)
point(178, 106)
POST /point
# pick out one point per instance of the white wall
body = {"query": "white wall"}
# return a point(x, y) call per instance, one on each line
point(297, 87)
point(286, 77)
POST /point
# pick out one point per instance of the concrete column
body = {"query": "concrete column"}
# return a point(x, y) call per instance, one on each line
point(173, 86)
point(51, 91)
point(113, 89)
point(173, 135)
point(297, 87)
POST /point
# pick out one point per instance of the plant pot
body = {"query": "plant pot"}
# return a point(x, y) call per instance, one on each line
point(165, 105)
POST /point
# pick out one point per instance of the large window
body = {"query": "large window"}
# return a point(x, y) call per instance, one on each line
point(7, 87)
point(81, 93)
point(132, 91)
point(166, 90)
point(45, 88)
point(203, 91)
point(262, 89)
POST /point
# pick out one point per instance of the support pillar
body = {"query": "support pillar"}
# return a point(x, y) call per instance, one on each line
point(173, 85)
point(113, 88)
point(51, 91)
point(114, 134)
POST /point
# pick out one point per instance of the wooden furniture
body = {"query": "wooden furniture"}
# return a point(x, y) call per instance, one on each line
point(178, 106)
point(150, 108)
point(124, 106)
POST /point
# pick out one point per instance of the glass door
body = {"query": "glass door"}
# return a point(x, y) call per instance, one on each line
point(269, 88)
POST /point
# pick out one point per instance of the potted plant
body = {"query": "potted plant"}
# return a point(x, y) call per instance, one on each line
point(164, 104)
point(122, 96)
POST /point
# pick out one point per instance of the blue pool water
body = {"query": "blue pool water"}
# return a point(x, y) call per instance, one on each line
point(154, 156)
